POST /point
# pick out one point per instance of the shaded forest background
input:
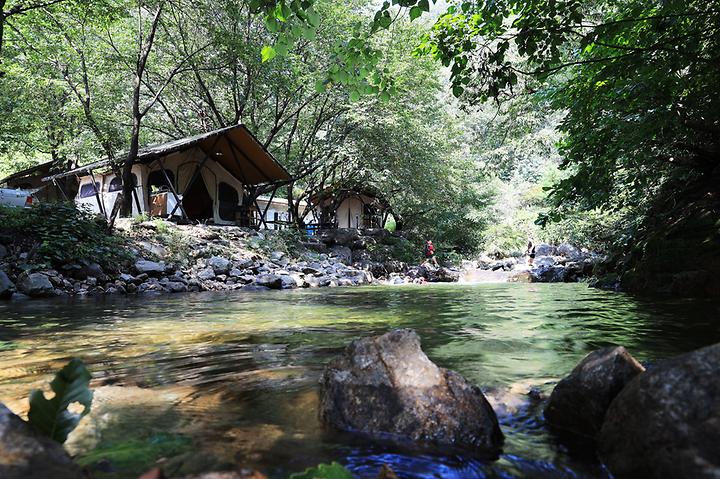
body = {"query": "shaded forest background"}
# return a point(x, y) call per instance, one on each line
point(482, 123)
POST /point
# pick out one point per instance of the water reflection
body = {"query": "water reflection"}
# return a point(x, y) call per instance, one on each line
point(212, 380)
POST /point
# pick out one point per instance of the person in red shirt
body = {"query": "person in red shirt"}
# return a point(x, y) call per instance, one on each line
point(430, 252)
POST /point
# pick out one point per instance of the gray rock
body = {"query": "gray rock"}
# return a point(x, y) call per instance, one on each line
point(3, 251)
point(387, 385)
point(666, 422)
point(7, 287)
point(206, 274)
point(549, 274)
point(25, 454)
point(235, 273)
point(35, 285)
point(568, 250)
point(128, 278)
point(314, 268)
point(219, 264)
point(153, 249)
point(543, 261)
point(317, 281)
point(544, 249)
point(271, 281)
point(342, 253)
point(356, 276)
point(442, 275)
point(579, 402)
point(339, 236)
point(244, 263)
point(149, 267)
point(288, 281)
point(176, 286)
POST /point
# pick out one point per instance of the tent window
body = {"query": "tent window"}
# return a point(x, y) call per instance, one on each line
point(227, 201)
point(87, 190)
point(116, 183)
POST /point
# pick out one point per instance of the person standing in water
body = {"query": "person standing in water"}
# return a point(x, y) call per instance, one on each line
point(530, 252)
point(430, 252)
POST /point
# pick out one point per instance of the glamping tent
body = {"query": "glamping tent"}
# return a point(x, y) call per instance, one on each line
point(202, 178)
point(352, 208)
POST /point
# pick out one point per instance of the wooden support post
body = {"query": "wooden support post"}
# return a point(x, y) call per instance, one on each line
point(137, 200)
point(57, 185)
point(262, 217)
point(97, 194)
point(263, 214)
point(172, 188)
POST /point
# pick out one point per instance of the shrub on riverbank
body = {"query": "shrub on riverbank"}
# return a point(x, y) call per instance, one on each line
point(54, 234)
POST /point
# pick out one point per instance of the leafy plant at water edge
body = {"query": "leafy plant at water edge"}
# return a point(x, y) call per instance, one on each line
point(51, 416)
point(63, 234)
point(324, 471)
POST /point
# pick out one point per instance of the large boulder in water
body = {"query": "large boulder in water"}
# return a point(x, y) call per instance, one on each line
point(579, 402)
point(666, 422)
point(25, 454)
point(387, 385)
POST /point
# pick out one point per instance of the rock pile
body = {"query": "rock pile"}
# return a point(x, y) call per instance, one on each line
point(552, 264)
point(663, 422)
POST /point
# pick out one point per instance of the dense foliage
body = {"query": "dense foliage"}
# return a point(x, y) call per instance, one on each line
point(346, 95)
point(61, 233)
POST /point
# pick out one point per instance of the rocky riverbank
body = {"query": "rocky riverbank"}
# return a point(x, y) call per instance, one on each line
point(163, 257)
point(552, 264)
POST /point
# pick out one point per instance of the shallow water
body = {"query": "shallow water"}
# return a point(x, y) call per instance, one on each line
point(209, 381)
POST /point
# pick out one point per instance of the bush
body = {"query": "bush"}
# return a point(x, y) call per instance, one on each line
point(60, 233)
point(287, 240)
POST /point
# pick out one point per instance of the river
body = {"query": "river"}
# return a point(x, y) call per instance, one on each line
point(205, 381)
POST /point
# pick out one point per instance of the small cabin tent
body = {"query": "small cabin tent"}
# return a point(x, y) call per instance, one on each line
point(201, 178)
point(31, 179)
point(352, 208)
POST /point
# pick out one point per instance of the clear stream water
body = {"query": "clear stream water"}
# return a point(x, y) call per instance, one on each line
point(207, 381)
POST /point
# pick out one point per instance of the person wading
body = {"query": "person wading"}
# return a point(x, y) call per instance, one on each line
point(430, 252)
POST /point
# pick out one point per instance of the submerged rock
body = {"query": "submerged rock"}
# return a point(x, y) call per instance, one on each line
point(25, 454)
point(579, 402)
point(666, 422)
point(387, 385)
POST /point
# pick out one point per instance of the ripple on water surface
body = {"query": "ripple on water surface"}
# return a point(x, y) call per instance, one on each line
point(208, 380)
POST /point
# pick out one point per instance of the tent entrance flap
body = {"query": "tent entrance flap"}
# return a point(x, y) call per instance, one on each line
point(197, 201)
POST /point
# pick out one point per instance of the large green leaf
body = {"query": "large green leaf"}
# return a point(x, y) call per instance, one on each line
point(324, 471)
point(50, 416)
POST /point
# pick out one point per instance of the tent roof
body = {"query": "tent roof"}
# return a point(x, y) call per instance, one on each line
point(234, 147)
point(39, 168)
